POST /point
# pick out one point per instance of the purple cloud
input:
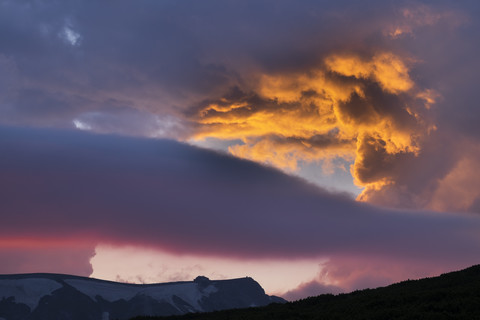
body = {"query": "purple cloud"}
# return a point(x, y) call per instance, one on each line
point(172, 196)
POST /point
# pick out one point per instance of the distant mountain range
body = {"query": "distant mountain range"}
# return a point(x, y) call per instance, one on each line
point(60, 297)
point(454, 295)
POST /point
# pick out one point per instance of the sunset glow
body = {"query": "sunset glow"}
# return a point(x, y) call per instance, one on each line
point(314, 146)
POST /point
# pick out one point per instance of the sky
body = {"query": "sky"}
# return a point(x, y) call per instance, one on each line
point(316, 146)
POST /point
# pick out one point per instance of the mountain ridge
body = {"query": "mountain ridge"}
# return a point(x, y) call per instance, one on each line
point(38, 296)
point(55, 276)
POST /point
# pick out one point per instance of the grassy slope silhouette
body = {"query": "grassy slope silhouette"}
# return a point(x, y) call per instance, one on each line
point(454, 295)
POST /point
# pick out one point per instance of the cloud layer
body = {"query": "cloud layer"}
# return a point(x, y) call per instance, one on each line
point(82, 188)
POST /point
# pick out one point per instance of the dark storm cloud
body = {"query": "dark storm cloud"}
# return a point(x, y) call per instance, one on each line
point(68, 186)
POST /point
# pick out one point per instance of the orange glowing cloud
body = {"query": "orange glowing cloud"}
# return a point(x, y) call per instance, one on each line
point(385, 68)
point(366, 110)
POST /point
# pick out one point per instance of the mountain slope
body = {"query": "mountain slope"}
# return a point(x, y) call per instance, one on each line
point(55, 296)
point(454, 295)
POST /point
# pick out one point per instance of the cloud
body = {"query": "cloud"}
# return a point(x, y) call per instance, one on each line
point(310, 289)
point(174, 197)
point(79, 57)
point(459, 190)
point(375, 86)
point(76, 57)
point(419, 15)
point(365, 110)
point(396, 107)
point(385, 68)
point(358, 271)
point(129, 121)
point(34, 256)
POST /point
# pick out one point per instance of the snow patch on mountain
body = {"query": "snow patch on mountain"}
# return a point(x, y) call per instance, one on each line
point(27, 291)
